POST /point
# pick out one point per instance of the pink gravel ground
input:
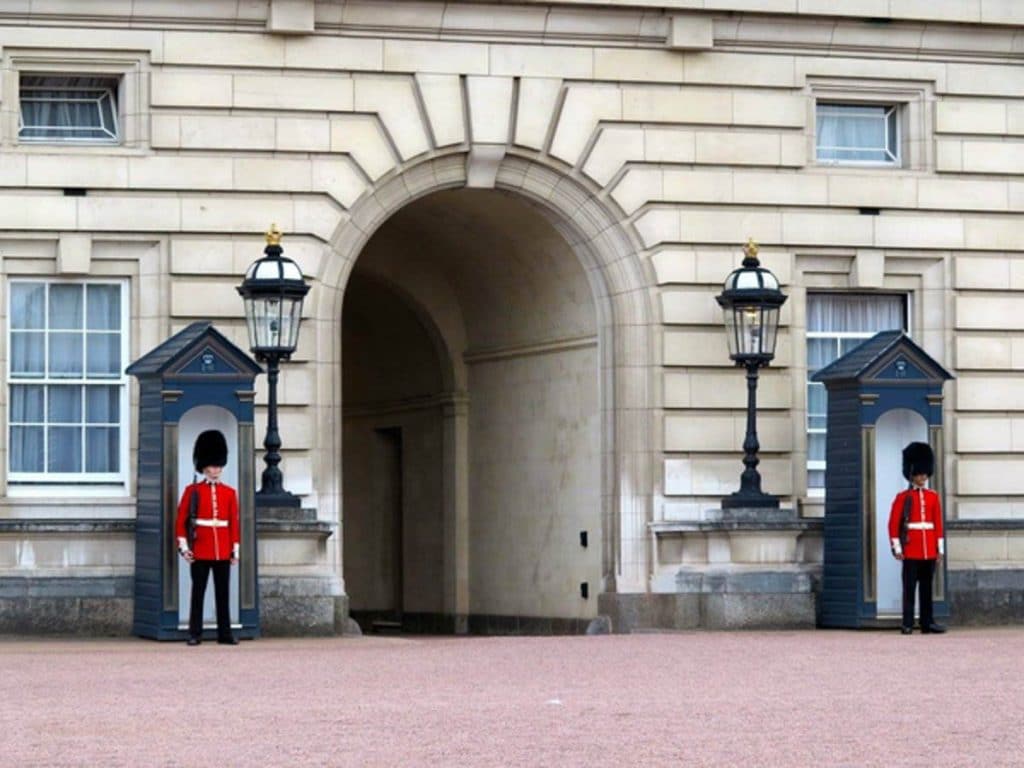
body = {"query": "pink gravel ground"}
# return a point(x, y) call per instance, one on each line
point(814, 698)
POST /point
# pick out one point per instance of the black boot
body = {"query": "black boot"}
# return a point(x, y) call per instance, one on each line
point(933, 629)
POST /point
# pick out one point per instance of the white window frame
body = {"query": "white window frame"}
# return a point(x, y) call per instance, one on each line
point(61, 480)
point(818, 492)
point(914, 100)
point(113, 133)
point(891, 121)
point(131, 70)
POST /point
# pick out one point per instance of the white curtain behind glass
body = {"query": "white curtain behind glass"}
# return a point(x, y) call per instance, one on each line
point(62, 335)
point(846, 313)
point(856, 133)
point(836, 323)
point(56, 107)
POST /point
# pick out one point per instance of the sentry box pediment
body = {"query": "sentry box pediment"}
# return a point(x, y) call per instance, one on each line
point(195, 380)
point(883, 394)
point(197, 350)
point(889, 357)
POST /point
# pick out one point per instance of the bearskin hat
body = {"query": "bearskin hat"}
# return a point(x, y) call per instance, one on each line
point(918, 459)
point(211, 450)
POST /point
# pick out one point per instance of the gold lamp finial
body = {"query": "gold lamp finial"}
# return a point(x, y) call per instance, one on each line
point(750, 249)
point(274, 235)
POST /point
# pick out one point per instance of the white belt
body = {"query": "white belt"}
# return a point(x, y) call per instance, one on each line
point(224, 523)
point(920, 526)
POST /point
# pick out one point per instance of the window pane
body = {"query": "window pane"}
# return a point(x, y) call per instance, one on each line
point(64, 449)
point(101, 449)
point(102, 405)
point(27, 403)
point(104, 307)
point(817, 400)
point(854, 313)
point(26, 449)
point(27, 349)
point(65, 405)
point(68, 107)
point(854, 132)
point(820, 352)
point(66, 307)
point(65, 355)
point(816, 447)
point(103, 354)
point(28, 304)
point(893, 134)
point(840, 323)
point(63, 330)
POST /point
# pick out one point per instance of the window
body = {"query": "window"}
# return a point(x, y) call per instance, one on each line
point(68, 108)
point(67, 391)
point(858, 134)
point(836, 323)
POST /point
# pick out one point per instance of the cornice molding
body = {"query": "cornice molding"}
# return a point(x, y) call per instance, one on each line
point(784, 28)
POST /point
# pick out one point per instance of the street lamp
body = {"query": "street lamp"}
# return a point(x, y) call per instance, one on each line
point(751, 300)
point(273, 291)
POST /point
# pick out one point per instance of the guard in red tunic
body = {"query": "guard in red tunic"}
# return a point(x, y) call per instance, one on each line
point(209, 541)
point(915, 532)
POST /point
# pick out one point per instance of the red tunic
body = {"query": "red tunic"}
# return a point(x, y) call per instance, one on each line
point(924, 534)
point(216, 529)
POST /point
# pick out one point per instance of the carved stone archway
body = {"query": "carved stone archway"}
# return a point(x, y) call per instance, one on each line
point(608, 250)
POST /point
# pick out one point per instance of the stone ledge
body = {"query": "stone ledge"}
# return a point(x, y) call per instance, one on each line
point(318, 528)
point(985, 524)
point(747, 581)
point(57, 525)
point(740, 519)
point(703, 526)
point(30, 587)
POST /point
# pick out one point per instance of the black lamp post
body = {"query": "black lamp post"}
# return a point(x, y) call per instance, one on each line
point(751, 300)
point(273, 291)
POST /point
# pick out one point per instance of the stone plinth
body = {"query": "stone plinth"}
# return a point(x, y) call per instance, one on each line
point(297, 597)
point(734, 568)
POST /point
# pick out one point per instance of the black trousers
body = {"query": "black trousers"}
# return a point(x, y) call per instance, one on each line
point(221, 581)
point(918, 576)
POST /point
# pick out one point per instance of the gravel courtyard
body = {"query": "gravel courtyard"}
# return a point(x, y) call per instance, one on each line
point(813, 698)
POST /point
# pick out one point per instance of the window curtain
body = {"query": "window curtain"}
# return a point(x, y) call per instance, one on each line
point(830, 315)
point(843, 313)
point(67, 427)
point(849, 132)
point(66, 107)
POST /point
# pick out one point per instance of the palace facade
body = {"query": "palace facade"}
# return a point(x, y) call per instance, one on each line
point(512, 407)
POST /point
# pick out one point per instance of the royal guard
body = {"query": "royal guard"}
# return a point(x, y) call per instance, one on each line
point(915, 532)
point(208, 535)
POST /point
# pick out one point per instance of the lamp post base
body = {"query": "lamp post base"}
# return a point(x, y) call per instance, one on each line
point(279, 499)
point(740, 499)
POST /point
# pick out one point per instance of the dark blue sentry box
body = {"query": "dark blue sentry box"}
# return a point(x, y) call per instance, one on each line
point(197, 379)
point(882, 395)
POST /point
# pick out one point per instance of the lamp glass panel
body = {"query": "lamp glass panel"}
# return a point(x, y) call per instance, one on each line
point(293, 320)
point(747, 279)
point(769, 335)
point(750, 329)
point(731, 331)
point(250, 321)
